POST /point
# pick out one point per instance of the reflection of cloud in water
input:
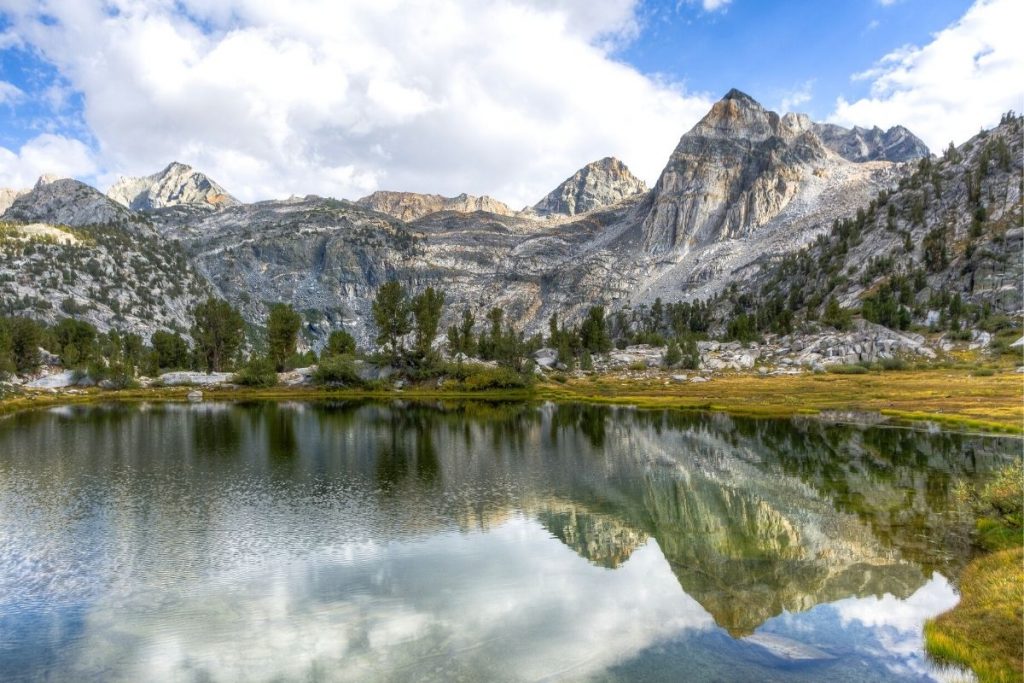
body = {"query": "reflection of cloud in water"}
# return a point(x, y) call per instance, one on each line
point(512, 602)
point(884, 628)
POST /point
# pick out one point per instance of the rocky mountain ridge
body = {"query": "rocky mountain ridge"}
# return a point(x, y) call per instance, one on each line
point(743, 188)
point(177, 184)
point(872, 144)
point(408, 206)
point(597, 185)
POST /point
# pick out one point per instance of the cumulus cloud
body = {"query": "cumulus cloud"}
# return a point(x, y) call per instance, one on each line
point(10, 93)
point(965, 78)
point(797, 97)
point(45, 153)
point(503, 97)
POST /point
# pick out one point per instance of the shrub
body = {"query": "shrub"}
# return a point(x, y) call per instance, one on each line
point(848, 370)
point(258, 371)
point(892, 364)
point(337, 370)
point(483, 378)
point(983, 372)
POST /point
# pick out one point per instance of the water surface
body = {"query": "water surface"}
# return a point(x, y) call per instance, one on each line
point(335, 542)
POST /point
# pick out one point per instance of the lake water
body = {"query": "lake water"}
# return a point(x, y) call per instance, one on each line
point(466, 542)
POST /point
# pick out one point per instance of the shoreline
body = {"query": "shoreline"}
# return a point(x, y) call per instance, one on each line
point(953, 399)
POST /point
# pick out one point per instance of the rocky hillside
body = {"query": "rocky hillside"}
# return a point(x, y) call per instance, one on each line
point(746, 197)
point(942, 249)
point(408, 206)
point(872, 144)
point(176, 185)
point(67, 202)
point(123, 276)
point(595, 186)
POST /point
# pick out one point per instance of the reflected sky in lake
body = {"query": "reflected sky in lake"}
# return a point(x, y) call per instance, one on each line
point(473, 542)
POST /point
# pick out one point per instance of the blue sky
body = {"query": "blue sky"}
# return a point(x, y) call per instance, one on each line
point(774, 50)
point(499, 97)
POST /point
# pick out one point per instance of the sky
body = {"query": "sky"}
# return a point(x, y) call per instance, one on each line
point(498, 97)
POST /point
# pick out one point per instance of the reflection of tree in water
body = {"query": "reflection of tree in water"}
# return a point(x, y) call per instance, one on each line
point(215, 430)
point(396, 460)
point(589, 420)
point(282, 444)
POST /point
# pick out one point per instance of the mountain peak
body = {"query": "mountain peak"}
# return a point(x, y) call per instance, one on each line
point(599, 184)
point(408, 206)
point(735, 94)
point(177, 184)
point(871, 144)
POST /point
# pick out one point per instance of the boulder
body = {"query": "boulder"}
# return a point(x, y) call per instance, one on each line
point(172, 379)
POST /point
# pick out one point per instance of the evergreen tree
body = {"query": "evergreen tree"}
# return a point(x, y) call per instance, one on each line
point(219, 332)
point(392, 316)
point(171, 351)
point(836, 316)
point(673, 354)
point(339, 343)
point(594, 332)
point(282, 334)
point(426, 310)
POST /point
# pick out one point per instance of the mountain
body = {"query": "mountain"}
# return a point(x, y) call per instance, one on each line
point(176, 185)
point(66, 202)
point(943, 247)
point(595, 186)
point(872, 144)
point(732, 172)
point(408, 206)
point(7, 197)
point(744, 190)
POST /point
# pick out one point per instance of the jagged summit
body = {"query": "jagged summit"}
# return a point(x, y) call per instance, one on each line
point(872, 144)
point(597, 185)
point(66, 201)
point(176, 185)
point(408, 206)
point(732, 172)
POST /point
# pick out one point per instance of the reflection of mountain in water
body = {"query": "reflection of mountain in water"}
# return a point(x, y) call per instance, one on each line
point(754, 517)
point(601, 539)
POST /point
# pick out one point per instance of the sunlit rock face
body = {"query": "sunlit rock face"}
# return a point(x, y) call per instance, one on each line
point(66, 201)
point(176, 185)
point(737, 169)
point(595, 186)
point(872, 144)
point(408, 206)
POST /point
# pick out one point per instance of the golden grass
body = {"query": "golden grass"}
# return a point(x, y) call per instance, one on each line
point(953, 398)
point(985, 631)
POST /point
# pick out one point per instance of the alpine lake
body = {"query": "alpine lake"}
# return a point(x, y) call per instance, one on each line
point(475, 541)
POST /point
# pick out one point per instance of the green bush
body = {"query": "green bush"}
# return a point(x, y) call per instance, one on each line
point(848, 370)
point(892, 364)
point(258, 371)
point(337, 370)
point(483, 378)
point(983, 372)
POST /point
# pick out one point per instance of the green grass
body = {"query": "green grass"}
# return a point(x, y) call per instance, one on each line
point(986, 630)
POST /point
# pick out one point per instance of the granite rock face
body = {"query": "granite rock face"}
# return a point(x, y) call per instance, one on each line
point(66, 202)
point(595, 186)
point(872, 144)
point(176, 185)
point(7, 197)
point(737, 169)
point(408, 206)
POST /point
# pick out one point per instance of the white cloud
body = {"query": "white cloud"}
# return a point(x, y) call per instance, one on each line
point(45, 153)
point(965, 78)
point(10, 93)
point(798, 96)
point(712, 5)
point(503, 97)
